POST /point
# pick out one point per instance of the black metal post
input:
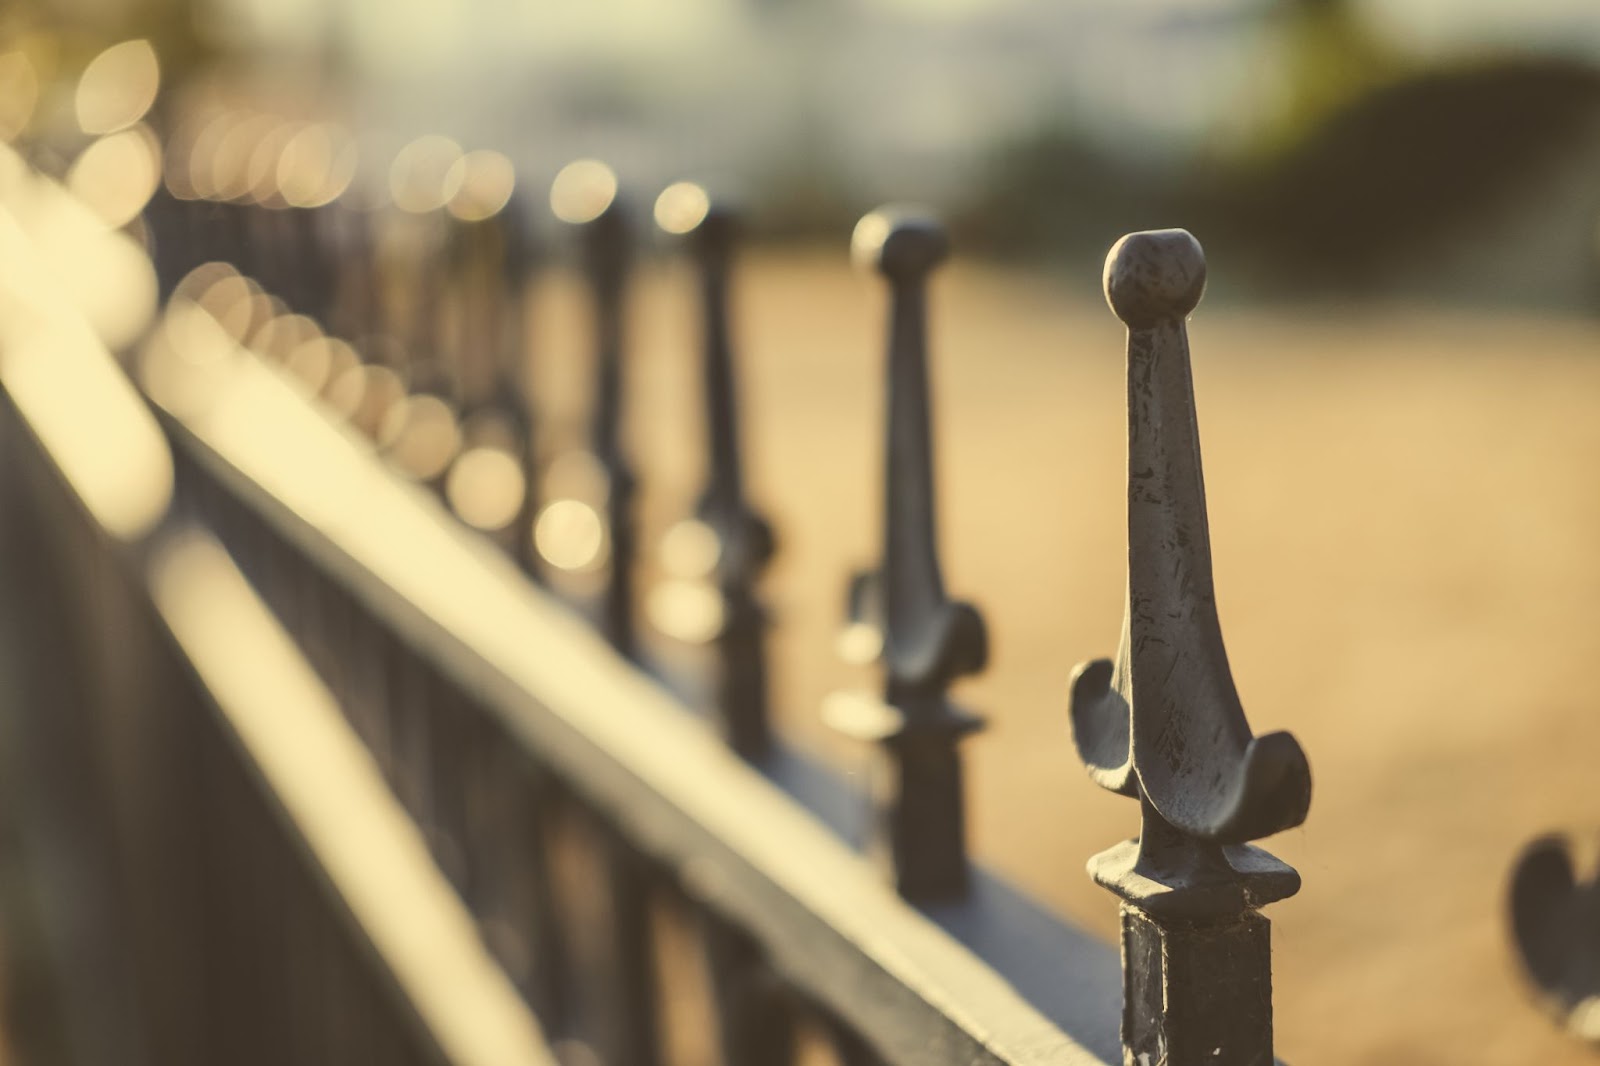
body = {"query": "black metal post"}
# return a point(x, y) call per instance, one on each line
point(744, 539)
point(518, 262)
point(927, 640)
point(490, 259)
point(603, 222)
point(1164, 724)
point(753, 1022)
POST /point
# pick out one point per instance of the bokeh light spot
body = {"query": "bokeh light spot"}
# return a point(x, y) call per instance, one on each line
point(690, 549)
point(690, 611)
point(859, 643)
point(19, 92)
point(118, 87)
point(117, 175)
point(682, 207)
point(424, 176)
point(420, 436)
point(570, 535)
point(483, 181)
point(485, 488)
point(583, 190)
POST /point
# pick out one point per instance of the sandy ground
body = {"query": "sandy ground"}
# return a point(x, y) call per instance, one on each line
point(1406, 523)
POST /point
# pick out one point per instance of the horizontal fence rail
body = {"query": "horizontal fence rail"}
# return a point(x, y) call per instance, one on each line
point(362, 745)
point(247, 889)
point(359, 558)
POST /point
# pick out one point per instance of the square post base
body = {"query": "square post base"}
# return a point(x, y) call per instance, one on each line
point(1196, 995)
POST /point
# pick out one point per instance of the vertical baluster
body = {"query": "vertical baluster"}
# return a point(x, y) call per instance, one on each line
point(232, 219)
point(477, 254)
point(537, 799)
point(1163, 722)
point(362, 705)
point(490, 486)
point(585, 194)
point(411, 725)
point(743, 539)
point(315, 168)
point(164, 218)
point(476, 782)
point(447, 766)
point(356, 310)
point(312, 226)
point(754, 1024)
point(925, 640)
point(632, 955)
point(423, 436)
point(514, 372)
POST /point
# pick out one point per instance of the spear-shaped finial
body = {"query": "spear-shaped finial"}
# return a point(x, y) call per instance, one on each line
point(927, 641)
point(1163, 723)
point(743, 541)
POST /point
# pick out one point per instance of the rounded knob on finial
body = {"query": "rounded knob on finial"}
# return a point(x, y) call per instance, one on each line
point(709, 224)
point(583, 191)
point(1155, 275)
point(899, 243)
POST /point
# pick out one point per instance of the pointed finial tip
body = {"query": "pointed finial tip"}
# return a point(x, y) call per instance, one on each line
point(899, 242)
point(1155, 275)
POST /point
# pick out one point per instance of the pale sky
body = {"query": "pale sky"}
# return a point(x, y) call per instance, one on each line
point(444, 32)
point(918, 77)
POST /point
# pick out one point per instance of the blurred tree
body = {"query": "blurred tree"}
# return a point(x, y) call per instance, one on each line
point(1330, 57)
point(1406, 177)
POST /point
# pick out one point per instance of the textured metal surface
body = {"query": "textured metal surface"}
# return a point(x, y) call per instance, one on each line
point(924, 639)
point(1163, 724)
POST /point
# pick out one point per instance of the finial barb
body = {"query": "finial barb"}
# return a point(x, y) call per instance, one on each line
point(927, 640)
point(1162, 721)
point(1555, 927)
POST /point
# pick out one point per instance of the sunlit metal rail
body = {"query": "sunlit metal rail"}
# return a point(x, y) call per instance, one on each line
point(249, 889)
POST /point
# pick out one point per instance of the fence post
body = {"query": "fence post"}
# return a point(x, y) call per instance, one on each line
point(926, 640)
point(743, 538)
point(491, 259)
point(1163, 723)
point(585, 194)
point(518, 263)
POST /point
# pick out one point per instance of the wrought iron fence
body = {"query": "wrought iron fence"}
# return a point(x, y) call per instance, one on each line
point(362, 525)
point(232, 880)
